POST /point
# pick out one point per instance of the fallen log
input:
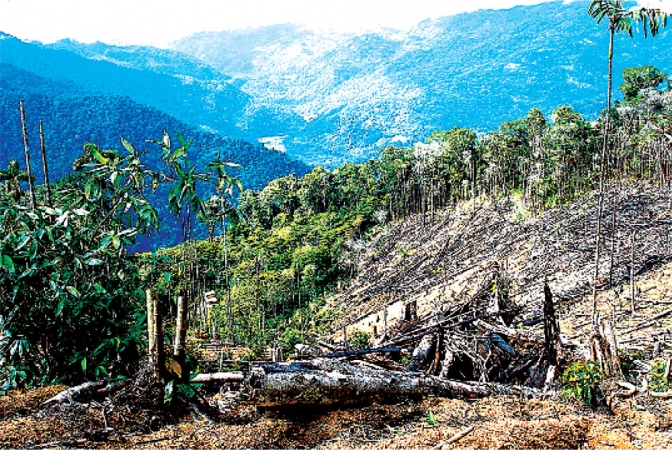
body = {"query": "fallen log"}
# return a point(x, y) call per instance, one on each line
point(327, 383)
point(366, 351)
point(76, 392)
point(218, 377)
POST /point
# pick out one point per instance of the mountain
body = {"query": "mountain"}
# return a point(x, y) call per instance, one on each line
point(333, 98)
point(205, 102)
point(73, 116)
point(356, 93)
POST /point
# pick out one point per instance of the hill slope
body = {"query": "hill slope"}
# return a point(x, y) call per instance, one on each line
point(432, 265)
point(196, 96)
point(73, 116)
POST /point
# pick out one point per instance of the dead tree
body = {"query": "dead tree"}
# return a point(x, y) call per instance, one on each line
point(45, 166)
point(551, 328)
point(26, 151)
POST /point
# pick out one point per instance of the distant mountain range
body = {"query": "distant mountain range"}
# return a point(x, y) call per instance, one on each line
point(73, 115)
point(328, 99)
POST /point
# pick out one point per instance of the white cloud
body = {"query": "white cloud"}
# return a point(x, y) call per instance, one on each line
point(158, 22)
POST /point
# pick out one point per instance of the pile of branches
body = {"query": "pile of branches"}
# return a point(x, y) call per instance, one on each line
point(475, 339)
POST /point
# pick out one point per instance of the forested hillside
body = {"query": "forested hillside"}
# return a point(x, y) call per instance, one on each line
point(299, 239)
point(211, 103)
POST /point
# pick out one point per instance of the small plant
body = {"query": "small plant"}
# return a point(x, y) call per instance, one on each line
point(431, 420)
point(360, 339)
point(660, 378)
point(628, 358)
point(581, 379)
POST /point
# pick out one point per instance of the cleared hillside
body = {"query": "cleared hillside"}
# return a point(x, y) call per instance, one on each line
point(438, 263)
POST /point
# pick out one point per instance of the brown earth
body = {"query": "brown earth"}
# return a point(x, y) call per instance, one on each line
point(498, 423)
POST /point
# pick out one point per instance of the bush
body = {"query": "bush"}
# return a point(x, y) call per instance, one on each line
point(360, 340)
point(581, 379)
point(659, 382)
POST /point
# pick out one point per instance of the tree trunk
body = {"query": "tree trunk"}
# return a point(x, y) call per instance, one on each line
point(229, 308)
point(26, 152)
point(632, 273)
point(422, 353)
point(45, 166)
point(157, 357)
point(551, 328)
point(179, 349)
point(218, 377)
point(603, 167)
point(329, 383)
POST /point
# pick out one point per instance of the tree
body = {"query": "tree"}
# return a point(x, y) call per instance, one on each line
point(637, 79)
point(619, 21)
point(225, 186)
point(68, 292)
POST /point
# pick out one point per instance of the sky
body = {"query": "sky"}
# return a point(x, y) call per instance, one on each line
point(160, 22)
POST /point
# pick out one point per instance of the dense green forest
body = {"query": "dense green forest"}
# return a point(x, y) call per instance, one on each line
point(72, 298)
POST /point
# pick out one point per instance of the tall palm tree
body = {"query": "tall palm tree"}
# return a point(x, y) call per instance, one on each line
point(619, 20)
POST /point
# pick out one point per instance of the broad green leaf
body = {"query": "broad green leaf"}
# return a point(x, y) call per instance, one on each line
point(99, 156)
point(80, 212)
point(73, 291)
point(84, 364)
point(8, 263)
point(59, 307)
point(127, 145)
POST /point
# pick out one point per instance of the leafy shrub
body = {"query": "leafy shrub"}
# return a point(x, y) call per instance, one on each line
point(360, 339)
point(659, 382)
point(581, 379)
point(628, 358)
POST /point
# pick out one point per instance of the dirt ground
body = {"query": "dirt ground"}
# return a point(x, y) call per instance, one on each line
point(639, 423)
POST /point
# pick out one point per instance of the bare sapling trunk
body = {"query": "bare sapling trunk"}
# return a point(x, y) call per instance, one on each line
point(154, 334)
point(45, 166)
point(179, 349)
point(632, 273)
point(26, 151)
